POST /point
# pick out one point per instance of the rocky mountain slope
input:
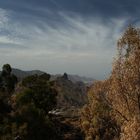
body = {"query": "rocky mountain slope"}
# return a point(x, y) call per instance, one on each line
point(69, 93)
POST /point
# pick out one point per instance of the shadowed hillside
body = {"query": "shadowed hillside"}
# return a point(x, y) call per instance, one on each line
point(69, 93)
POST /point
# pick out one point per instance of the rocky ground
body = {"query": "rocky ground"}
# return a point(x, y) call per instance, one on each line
point(69, 122)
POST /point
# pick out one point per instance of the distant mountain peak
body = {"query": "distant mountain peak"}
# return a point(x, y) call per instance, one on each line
point(22, 74)
point(74, 78)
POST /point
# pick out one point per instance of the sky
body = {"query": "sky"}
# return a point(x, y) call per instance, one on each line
point(57, 36)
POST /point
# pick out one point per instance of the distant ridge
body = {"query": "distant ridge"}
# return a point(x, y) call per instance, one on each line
point(74, 78)
point(22, 74)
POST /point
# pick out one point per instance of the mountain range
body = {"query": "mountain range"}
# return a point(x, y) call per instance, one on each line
point(74, 78)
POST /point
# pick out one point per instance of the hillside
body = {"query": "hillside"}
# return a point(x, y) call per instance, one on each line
point(69, 93)
point(71, 90)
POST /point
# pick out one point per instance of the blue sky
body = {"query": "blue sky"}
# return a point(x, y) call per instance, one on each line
point(57, 36)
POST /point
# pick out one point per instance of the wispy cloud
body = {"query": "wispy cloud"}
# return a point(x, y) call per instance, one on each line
point(77, 45)
point(3, 17)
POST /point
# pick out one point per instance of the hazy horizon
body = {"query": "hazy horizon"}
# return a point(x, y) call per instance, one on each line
point(77, 36)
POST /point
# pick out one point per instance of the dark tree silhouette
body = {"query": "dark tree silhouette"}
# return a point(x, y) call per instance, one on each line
point(7, 80)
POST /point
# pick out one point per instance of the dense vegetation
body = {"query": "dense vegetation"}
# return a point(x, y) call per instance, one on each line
point(29, 107)
point(113, 111)
point(24, 112)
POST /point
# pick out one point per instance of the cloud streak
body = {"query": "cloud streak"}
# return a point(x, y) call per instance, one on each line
point(77, 36)
point(76, 45)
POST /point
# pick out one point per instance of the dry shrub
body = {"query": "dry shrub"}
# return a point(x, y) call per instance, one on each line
point(115, 102)
point(124, 92)
point(131, 130)
point(97, 122)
